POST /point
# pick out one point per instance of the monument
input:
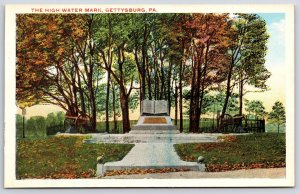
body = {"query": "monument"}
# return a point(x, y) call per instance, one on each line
point(154, 118)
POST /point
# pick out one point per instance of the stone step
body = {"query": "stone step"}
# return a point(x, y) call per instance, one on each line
point(154, 127)
point(144, 137)
point(152, 156)
point(149, 131)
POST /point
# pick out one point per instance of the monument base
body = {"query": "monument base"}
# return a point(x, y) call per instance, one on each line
point(154, 125)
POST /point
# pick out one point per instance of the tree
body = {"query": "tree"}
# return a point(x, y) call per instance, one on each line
point(247, 51)
point(251, 70)
point(43, 49)
point(112, 35)
point(210, 40)
point(277, 115)
point(257, 108)
point(101, 64)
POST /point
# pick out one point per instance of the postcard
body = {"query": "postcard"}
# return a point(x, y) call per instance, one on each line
point(149, 96)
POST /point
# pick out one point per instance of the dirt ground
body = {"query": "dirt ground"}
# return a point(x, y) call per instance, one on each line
point(275, 173)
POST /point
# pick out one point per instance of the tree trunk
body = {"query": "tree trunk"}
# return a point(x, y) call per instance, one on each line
point(75, 91)
point(114, 107)
point(195, 97)
point(169, 85)
point(197, 94)
point(125, 110)
point(83, 108)
point(162, 79)
point(241, 93)
point(202, 86)
point(149, 81)
point(93, 105)
point(144, 60)
point(176, 104)
point(180, 98)
point(123, 93)
point(107, 103)
point(192, 105)
point(228, 94)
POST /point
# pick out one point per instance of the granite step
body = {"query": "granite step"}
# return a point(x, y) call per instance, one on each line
point(152, 156)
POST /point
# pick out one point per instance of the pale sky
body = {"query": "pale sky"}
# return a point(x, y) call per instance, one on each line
point(275, 63)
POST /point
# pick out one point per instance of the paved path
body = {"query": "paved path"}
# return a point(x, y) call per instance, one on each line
point(273, 173)
point(150, 156)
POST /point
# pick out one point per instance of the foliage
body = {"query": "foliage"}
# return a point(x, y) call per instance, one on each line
point(213, 103)
point(277, 115)
point(63, 157)
point(55, 123)
point(19, 126)
point(75, 60)
point(36, 127)
point(256, 108)
point(265, 150)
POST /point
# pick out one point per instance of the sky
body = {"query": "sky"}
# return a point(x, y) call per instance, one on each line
point(275, 63)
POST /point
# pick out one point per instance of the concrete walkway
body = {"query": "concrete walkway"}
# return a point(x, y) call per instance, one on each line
point(152, 156)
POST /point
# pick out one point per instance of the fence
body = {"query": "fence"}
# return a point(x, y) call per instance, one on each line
point(240, 124)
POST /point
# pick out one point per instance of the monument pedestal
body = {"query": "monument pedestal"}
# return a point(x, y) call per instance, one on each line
point(154, 119)
point(154, 125)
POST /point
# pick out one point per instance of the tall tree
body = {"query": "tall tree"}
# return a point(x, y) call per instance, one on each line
point(210, 39)
point(251, 69)
point(277, 115)
point(247, 51)
point(114, 57)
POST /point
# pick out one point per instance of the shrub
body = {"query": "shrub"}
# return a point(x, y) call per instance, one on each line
point(36, 127)
point(55, 123)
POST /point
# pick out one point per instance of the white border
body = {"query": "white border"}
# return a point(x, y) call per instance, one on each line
point(10, 105)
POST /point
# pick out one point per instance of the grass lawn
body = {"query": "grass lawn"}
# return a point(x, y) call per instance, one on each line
point(63, 157)
point(265, 150)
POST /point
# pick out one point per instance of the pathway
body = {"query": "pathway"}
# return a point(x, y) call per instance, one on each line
point(152, 156)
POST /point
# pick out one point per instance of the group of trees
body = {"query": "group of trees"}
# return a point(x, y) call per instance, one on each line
point(39, 126)
point(106, 64)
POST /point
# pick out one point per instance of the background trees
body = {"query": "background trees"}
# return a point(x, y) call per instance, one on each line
point(277, 115)
point(256, 108)
point(105, 64)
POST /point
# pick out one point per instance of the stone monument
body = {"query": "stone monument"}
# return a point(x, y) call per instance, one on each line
point(154, 118)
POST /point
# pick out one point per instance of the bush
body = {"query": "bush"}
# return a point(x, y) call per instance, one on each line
point(36, 127)
point(55, 123)
point(19, 125)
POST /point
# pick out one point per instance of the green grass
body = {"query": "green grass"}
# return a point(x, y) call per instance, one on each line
point(63, 157)
point(245, 151)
